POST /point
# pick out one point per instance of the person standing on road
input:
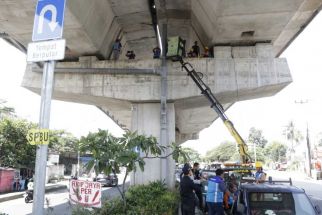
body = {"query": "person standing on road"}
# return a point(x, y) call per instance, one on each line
point(186, 165)
point(260, 175)
point(197, 181)
point(215, 193)
point(187, 188)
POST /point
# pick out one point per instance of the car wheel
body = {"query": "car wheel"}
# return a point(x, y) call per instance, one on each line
point(115, 183)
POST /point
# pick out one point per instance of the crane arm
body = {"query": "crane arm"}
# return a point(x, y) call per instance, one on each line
point(205, 90)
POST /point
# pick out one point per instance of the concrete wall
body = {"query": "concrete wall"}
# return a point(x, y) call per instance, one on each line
point(54, 170)
point(6, 180)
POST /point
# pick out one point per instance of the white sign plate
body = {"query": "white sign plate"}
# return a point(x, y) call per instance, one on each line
point(47, 50)
point(85, 193)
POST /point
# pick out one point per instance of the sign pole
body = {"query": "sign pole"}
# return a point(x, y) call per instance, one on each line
point(41, 156)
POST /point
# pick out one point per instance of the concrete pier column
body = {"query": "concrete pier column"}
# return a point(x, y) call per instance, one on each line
point(146, 120)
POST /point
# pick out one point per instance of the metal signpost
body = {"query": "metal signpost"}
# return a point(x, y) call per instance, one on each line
point(48, 25)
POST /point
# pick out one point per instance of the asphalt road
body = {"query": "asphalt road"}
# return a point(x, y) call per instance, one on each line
point(58, 202)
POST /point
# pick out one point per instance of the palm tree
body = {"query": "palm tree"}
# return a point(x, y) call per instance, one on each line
point(294, 136)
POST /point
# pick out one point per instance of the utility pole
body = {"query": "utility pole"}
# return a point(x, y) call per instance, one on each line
point(308, 148)
point(307, 139)
point(255, 155)
point(164, 133)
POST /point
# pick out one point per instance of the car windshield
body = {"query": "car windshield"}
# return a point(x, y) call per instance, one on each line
point(279, 204)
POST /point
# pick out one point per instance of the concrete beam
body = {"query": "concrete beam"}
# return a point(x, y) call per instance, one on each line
point(92, 26)
point(236, 73)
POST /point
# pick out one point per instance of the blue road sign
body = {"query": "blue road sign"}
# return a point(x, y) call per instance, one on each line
point(49, 20)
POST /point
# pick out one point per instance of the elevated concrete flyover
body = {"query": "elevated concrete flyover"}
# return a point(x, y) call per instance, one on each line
point(116, 86)
point(245, 36)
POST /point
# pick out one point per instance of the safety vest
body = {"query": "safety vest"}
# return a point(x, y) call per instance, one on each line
point(214, 194)
point(258, 175)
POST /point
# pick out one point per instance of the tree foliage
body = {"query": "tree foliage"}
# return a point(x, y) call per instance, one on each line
point(224, 152)
point(276, 151)
point(61, 141)
point(256, 137)
point(193, 155)
point(293, 135)
point(260, 154)
point(130, 151)
point(15, 151)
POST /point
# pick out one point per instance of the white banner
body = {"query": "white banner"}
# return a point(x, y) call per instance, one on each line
point(85, 193)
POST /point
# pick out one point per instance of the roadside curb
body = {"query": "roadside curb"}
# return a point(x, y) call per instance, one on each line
point(17, 195)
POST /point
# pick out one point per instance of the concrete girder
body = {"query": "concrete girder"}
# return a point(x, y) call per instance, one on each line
point(17, 16)
point(92, 26)
point(223, 22)
point(139, 34)
point(237, 73)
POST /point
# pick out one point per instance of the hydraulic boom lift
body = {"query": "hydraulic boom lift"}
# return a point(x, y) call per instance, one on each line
point(205, 90)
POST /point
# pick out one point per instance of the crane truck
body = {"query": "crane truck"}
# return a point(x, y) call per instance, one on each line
point(175, 51)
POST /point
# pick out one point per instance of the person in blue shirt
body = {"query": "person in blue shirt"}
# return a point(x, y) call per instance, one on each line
point(260, 175)
point(117, 49)
point(215, 193)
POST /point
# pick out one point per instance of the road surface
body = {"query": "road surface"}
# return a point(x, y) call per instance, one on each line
point(58, 202)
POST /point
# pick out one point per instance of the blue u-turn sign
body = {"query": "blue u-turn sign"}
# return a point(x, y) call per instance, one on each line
point(49, 20)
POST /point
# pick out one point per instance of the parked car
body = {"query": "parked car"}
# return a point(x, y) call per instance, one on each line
point(107, 180)
point(274, 198)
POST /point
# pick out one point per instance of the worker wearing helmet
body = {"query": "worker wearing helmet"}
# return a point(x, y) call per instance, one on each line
point(206, 54)
point(260, 176)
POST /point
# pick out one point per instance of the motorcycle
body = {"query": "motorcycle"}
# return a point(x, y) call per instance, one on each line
point(29, 196)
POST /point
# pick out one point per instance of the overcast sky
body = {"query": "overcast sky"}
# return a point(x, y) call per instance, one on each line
point(271, 115)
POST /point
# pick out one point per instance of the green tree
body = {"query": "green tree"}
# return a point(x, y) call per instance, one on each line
point(131, 150)
point(193, 155)
point(293, 135)
point(224, 152)
point(276, 151)
point(256, 137)
point(260, 154)
point(15, 151)
point(61, 141)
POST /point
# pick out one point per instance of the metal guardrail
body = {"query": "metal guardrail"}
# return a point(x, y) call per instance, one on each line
point(121, 71)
